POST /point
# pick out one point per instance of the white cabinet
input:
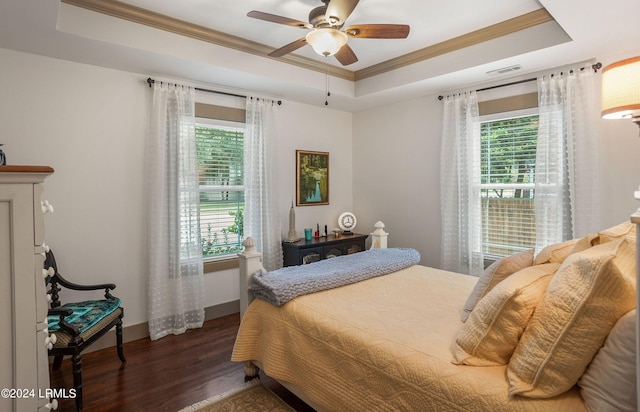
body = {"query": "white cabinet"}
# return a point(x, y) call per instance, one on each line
point(24, 368)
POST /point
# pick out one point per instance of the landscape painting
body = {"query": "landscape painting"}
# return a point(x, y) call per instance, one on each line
point(312, 178)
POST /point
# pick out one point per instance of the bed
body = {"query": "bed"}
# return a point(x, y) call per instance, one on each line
point(395, 341)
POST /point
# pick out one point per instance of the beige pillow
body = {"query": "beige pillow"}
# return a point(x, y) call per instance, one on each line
point(609, 384)
point(555, 253)
point(493, 329)
point(499, 270)
point(588, 294)
point(618, 232)
point(584, 243)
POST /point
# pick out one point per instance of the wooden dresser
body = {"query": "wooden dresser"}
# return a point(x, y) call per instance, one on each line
point(323, 247)
point(24, 367)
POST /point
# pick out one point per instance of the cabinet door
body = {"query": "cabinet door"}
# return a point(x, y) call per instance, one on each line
point(354, 247)
point(310, 255)
point(334, 251)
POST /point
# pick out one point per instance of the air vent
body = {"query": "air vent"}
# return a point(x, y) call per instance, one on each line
point(505, 70)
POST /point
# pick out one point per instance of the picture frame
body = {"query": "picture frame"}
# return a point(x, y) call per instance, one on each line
point(312, 178)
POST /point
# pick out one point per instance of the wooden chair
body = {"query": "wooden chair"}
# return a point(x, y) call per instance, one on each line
point(77, 325)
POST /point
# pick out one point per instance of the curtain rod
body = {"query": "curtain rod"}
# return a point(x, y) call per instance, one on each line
point(595, 68)
point(151, 81)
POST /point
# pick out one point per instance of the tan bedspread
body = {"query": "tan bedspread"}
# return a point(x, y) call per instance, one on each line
point(381, 344)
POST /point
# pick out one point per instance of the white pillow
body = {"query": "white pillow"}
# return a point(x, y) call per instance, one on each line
point(494, 274)
point(609, 384)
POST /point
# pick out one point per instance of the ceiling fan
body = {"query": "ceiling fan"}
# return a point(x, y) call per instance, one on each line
point(327, 36)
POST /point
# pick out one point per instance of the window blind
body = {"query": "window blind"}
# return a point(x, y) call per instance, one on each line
point(508, 158)
point(221, 181)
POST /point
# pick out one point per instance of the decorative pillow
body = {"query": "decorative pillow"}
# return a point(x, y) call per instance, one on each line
point(618, 232)
point(493, 329)
point(585, 243)
point(609, 384)
point(555, 253)
point(585, 298)
point(499, 270)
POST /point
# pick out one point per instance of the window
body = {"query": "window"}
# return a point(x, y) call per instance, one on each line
point(220, 160)
point(508, 158)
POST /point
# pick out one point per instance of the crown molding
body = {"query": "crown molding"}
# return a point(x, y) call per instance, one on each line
point(495, 31)
point(160, 21)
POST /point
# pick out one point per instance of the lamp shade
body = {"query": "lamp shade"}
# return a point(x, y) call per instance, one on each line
point(326, 41)
point(621, 89)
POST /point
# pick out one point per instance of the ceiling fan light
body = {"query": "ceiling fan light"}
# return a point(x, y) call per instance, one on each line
point(326, 41)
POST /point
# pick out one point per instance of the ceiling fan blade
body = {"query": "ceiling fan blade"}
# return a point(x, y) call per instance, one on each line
point(378, 31)
point(340, 10)
point(346, 56)
point(273, 18)
point(288, 48)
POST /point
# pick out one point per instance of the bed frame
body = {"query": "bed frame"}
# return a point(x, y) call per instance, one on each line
point(250, 262)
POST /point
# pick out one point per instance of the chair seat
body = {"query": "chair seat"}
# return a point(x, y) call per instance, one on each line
point(65, 338)
point(85, 314)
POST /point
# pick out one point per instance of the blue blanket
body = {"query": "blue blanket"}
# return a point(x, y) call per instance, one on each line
point(280, 286)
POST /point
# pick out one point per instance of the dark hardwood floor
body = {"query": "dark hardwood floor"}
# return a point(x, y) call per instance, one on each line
point(165, 375)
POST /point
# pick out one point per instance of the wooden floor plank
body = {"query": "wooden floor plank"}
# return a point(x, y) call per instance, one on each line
point(164, 375)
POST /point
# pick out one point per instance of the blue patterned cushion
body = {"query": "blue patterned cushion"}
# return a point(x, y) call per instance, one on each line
point(85, 314)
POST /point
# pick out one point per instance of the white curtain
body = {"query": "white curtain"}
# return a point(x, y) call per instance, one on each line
point(261, 216)
point(460, 186)
point(566, 180)
point(175, 281)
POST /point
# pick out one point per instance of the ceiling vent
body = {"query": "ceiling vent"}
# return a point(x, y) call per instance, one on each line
point(504, 70)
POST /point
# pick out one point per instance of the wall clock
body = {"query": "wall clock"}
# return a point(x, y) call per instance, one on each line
point(347, 221)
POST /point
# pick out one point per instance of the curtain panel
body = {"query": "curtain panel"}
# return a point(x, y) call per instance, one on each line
point(566, 179)
point(261, 216)
point(175, 269)
point(460, 186)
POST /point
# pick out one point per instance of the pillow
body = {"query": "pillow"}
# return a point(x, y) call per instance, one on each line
point(585, 298)
point(499, 270)
point(585, 243)
point(618, 232)
point(493, 329)
point(555, 253)
point(609, 384)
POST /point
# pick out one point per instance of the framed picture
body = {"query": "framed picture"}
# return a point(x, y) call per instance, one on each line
point(312, 178)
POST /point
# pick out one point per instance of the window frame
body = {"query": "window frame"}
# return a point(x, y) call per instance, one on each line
point(209, 115)
point(498, 116)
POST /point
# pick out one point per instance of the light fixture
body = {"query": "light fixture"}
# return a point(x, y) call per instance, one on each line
point(326, 41)
point(621, 90)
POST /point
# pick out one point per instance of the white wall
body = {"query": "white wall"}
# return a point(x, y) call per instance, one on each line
point(396, 163)
point(89, 124)
point(396, 166)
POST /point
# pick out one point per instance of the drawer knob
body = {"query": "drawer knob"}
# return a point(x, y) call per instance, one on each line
point(46, 207)
point(50, 341)
point(52, 405)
